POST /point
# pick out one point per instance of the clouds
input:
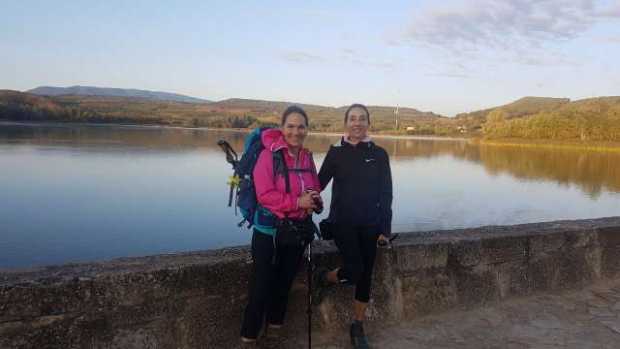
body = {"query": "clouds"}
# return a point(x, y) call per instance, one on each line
point(475, 26)
point(612, 39)
point(301, 57)
point(612, 11)
point(346, 56)
point(449, 75)
point(349, 55)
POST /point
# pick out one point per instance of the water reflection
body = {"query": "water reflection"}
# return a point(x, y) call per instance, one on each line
point(593, 171)
point(74, 193)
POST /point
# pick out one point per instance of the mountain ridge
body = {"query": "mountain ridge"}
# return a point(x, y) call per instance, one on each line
point(529, 117)
point(79, 90)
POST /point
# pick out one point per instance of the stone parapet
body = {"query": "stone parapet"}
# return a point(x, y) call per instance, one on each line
point(196, 299)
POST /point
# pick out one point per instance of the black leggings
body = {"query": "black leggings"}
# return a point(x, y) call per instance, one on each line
point(358, 249)
point(269, 283)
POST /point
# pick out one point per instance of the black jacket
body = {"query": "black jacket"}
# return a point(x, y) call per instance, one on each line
point(362, 188)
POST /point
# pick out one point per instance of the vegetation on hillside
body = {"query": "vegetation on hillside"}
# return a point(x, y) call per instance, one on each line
point(529, 118)
point(230, 113)
point(594, 119)
point(473, 121)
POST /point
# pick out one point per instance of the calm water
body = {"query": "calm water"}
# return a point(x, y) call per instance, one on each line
point(79, 193)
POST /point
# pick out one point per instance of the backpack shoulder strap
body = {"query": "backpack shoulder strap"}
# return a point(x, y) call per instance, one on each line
point(279, 167)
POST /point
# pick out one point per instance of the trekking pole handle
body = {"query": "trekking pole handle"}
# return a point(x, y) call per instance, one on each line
point(231, 155)
point(383, 243)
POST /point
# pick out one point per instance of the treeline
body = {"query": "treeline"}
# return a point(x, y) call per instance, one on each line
point(68, 114)
point(15, 106)
point(596, 119)
point(529, 118)
point(232, 113)
point(37, 113)
point(245, 121)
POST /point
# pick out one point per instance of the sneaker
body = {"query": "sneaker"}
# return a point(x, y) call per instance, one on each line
point(358, 338)
point(273, 331)
point(247, 343)
point(319, 285)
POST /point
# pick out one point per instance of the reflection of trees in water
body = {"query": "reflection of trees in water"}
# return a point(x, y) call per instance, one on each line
point(592, 171)
point(104, 136)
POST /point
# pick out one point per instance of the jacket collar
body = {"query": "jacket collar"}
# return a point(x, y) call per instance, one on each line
point(345, 138)
point(344, 142)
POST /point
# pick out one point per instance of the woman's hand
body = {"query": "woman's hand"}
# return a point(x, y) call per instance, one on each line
point(382, 240)
point(318, 202)
point(306, 200)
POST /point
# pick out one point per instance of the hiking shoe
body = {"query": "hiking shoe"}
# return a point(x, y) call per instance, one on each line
point(358, 338)
point(273, 331)
point(247, 343)
point(319, 285)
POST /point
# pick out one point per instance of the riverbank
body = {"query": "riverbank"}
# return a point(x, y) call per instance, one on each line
point(553, 144)
point(509, 142)
point(240, 130)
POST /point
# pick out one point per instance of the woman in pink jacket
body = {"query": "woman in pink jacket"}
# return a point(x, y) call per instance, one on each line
point(275, 262)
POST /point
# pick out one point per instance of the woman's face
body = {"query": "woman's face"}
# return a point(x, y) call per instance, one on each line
point(357, 123)
point(295, 130)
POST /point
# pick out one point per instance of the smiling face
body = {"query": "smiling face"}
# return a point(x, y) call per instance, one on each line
point(295, 130)
point(357, 124)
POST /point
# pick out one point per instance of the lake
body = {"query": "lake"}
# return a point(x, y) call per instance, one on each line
point(73, 193)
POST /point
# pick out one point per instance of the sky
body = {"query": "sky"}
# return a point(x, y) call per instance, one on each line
point(444, 56)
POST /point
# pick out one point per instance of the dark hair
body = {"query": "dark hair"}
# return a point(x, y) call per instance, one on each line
point(291, 110)
point(356, 105)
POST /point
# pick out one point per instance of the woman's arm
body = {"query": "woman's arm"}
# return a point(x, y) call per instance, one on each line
point(385, 194)
point(316, 183)
point(326, 173)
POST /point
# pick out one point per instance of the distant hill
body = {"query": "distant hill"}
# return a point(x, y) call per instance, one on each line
point(229, 113)
point(519, 108)
point(591, 119)
point(19, 106)
point(113, 92)
point(327, 118)
point(532, 105)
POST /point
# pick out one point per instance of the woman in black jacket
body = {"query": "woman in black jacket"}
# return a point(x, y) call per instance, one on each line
point(360, 210)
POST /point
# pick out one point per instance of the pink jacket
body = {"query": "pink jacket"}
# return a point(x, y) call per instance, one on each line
point(271, 192)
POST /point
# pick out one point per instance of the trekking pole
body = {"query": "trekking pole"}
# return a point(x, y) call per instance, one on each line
point(231, 156)
point(233, 159)
point(388, 244)
point(309, 311)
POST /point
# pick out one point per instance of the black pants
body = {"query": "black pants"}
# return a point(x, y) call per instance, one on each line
point(358, 249)
point(270, 283)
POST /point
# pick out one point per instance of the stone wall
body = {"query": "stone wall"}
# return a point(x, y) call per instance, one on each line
point(195, 300)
